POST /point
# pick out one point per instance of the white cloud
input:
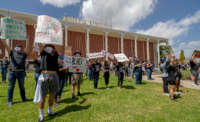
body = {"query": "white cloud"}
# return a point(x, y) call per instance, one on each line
point(60, 3)
point(171, 29)
point(121, 14)
point(188, 48)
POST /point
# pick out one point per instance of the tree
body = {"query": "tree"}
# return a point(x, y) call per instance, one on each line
point(164, 50)
point(182, 57)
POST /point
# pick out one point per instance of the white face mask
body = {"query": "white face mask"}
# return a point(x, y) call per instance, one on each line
point(49, 49)
point(17, 49)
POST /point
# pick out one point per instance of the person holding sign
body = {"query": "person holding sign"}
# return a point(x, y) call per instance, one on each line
point(96, 68)
point(77, 78)
point(48, 80)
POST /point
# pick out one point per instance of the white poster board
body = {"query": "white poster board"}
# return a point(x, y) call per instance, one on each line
point(75, 64)
point(95, 55)
point(121, 57)
point(111, 56)
point(48, 31)
point(12, 29)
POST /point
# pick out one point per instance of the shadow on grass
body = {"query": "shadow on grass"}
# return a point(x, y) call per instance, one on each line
point(102, 88)
point(177, 96)
point(68, 100)
point(27, 100)
point(87, 93)
point(68, 109)
point(128, 87)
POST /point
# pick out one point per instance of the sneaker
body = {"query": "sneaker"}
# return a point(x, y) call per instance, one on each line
point(166, 94)
point(40, 120)
point(73, 96)
point(79, 94)
point(9, 104)
point(194, 84)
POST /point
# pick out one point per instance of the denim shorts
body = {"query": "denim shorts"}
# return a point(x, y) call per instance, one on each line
point(49, 83)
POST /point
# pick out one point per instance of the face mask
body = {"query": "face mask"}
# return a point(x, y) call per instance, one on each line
point(49, 49)
point(17, 49)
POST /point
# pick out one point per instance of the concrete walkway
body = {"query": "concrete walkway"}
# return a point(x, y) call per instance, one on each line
point(184, 83)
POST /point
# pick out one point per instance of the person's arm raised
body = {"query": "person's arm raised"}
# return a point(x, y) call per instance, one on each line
point(5, 45)
point(28, 46)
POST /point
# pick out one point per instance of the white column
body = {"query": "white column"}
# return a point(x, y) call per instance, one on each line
point(106, 41)
point(66, 36)
point(88, 41)
point(148, 57)
point(158, 50)
point(136, 52)
point(122, 42)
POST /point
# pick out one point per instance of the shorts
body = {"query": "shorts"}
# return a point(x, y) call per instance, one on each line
point(172, 82)
point(77, 79)
point(178, 77)
point(194, 73)
point(49, 83)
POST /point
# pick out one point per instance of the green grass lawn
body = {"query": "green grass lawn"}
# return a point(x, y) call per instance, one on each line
point(133, 103)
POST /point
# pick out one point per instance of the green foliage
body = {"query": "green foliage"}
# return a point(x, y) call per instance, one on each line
point(182, 57)
point(186, 75)
point(138, 103)
point(164, 50)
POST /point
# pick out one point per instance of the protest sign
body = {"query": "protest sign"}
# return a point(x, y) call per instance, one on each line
point(121, 57)
point(12, 29)
point(95, 55)
point(111, 56)
point(48, 31)
point(75, 64)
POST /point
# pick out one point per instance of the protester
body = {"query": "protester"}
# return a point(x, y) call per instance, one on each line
point(138, 71)
point(164, 76)
point(171, 70)
point(178, 76)
point(36, 63)
point(120, 74)
point(106, 73)
point(194, 70)
point(77, 78)
point(149, 70)
point(62, 78)
point(4, 69)
point(48, 80)
point(97, 68)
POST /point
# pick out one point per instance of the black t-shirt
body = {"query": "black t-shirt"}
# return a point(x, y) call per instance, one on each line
point(17, 60)
point(193, 66)
point(4, 63)
point(97, 67)
point(36, 64)
point(49, 61)
point(120, 68)
point(172, 72)
point(138, 67)
point(61, 74)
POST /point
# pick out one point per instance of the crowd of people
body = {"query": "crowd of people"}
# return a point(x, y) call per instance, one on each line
point(51, 75)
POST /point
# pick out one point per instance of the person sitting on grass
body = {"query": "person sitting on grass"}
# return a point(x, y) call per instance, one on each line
point(48, 82)
point(106, 73)
point(171, 70)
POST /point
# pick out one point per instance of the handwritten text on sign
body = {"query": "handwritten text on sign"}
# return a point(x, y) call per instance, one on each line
point(95, 55)
point(12, 29)
point(121, 57)
point(75, 64)
point(48, 31)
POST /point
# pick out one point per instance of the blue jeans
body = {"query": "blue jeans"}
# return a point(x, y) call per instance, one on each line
point(13, 76)
point(148, 74)
point(4, 73)
point(61, 86)
point(138, 77)
point(90, 74)
point(96, 78)
point(36, 76)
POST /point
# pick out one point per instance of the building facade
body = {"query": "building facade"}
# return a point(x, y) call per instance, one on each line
point(90, 37)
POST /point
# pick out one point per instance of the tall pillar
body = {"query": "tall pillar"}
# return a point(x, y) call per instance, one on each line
point(106, 41)
point(66, 35)
point(88, 41)
point(136, 52)
point(148, 57)
point(158, 50)
point(122, 42)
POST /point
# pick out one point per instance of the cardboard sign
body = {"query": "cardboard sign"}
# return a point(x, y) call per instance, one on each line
point(95, 55)
point(48, 31)
point(111, 56)
point(12, 29)
point(75, 64)
point(121, 57)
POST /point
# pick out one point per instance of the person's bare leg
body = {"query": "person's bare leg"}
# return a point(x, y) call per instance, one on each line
point(171, 92)
point(73, 89)
point(51, 99)
point(41, 108)
point(193, 78)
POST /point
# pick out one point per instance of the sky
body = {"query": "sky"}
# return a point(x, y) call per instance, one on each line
point(177, 20)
